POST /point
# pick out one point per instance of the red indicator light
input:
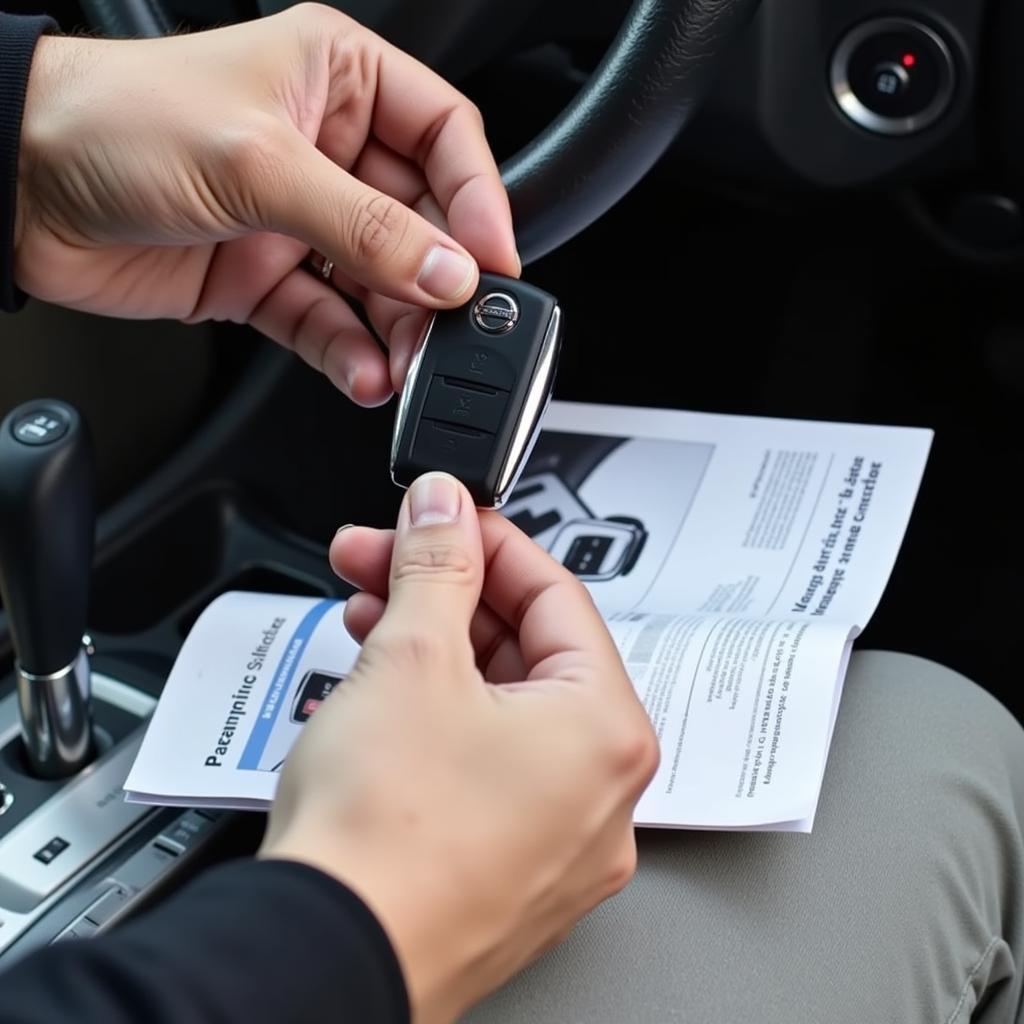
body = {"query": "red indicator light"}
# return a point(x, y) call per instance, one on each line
point(909, 60)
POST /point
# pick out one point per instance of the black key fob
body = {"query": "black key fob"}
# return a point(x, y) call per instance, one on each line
point(477, 389)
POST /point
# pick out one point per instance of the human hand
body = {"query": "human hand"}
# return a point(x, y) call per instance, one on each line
point(477, 821)
point(189, 177)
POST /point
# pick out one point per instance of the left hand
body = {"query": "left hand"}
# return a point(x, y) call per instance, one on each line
point(474, 779)
point(189, 177)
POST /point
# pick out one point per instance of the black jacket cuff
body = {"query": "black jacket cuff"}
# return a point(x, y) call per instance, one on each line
point(18, 38)
point(252, 942)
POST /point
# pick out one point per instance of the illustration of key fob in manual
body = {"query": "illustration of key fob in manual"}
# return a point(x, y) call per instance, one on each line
point(599, 549)
point(315, 688)
point(546, 506)
point(477, 389)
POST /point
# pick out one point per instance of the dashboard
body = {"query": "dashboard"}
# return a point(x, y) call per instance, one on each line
point(850, 92)
point(923, 99)
point(834, 92)
point(817, 94)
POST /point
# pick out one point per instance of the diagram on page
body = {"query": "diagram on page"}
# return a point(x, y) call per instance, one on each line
point(579, 494)
point(314, 686)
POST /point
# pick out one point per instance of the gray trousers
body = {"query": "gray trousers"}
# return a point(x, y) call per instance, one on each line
point(906, 903)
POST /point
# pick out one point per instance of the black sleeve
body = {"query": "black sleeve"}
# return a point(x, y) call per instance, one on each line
point(252, 942)
point(18, 37)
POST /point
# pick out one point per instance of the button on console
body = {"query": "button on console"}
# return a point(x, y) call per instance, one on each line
point(42, 425)
point(110, 903)
point(80, 928)
point(893, 76)
point(889, 80)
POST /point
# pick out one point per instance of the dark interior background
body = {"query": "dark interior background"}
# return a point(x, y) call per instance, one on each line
point(702, 291)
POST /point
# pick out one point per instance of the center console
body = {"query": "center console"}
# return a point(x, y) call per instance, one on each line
point(92, 646)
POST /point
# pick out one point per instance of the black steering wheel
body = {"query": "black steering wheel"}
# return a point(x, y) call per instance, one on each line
point(609, 136)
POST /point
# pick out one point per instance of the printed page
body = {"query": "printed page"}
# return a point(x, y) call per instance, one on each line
point(743, 708)
point(734, 558)
point(659, 510)
point(744, 711)
point(252, 671)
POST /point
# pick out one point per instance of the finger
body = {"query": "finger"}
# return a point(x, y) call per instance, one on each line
point(375, 239)
point(496, 648)
point(311, 318)
point(361, 555)
point(243, 272)
point(401, 179)
point(561, 632)
point(436, 572)
point(362, 612)
point(426, 206)
point(420, 116)
point(402, 327)
point(399, 324)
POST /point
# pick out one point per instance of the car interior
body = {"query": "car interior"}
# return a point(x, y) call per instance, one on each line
point(792, 208)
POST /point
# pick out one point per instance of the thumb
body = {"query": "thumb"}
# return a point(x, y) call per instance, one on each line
point(437, 569)
point(375, 239)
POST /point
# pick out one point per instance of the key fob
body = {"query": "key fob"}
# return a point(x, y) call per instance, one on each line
point(477, 389)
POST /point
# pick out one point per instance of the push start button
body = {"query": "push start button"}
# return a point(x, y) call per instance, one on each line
point(894, 76)
point(43, 425)
point(889, 80)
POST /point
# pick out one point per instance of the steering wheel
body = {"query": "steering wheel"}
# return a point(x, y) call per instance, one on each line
point(643, 93)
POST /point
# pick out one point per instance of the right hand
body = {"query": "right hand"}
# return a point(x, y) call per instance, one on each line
point(479, 822)
point(190, 176)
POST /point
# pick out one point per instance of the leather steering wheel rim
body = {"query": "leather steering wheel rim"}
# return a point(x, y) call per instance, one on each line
point(643, 93)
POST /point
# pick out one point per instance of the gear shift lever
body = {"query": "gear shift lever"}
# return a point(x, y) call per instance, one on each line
point(47, 519)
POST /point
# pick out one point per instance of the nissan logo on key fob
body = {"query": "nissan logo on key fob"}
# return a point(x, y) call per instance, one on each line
point(477, 389)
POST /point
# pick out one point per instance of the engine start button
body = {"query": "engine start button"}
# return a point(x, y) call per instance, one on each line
point(893, 76)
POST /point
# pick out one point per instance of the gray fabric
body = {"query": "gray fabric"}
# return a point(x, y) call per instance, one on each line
point(904, 905)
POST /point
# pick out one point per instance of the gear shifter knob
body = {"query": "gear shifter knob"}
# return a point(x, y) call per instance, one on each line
point(47, 520)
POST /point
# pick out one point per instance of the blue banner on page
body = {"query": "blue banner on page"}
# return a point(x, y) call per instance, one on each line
point(250, 759)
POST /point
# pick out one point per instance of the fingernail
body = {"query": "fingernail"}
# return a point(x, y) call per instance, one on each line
point(342, 529)
point(519, 261)
point(434, 498)
point(445, 274)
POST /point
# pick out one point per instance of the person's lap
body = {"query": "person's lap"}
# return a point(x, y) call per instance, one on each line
point(905, 904)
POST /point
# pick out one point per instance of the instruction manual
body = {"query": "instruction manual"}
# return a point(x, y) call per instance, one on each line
point(735, 560)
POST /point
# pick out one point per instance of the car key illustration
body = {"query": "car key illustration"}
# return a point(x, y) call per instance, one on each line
point(541, 503)
point(546, 506)
point(315, 688)
point(599, 549)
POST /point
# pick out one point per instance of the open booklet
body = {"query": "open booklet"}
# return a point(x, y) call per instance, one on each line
point(735, 559)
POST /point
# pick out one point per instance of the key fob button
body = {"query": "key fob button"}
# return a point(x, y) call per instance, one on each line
point(465, 452)
point(467, 405)
point(481, 363)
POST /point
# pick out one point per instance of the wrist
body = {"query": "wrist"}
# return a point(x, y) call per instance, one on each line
point(39, 85)
point(54, 86)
